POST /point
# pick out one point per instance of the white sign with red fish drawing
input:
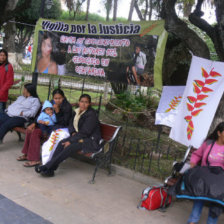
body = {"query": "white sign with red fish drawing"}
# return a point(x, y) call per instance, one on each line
point(204, 89)
point(168, 105)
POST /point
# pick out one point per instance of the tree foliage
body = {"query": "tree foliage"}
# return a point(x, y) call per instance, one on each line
point(30, 16)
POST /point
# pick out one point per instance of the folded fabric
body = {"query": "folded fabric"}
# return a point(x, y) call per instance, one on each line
point(201, 183)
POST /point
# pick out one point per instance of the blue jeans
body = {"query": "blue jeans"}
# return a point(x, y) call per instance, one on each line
point(46, 130)
point(7, 123)
point(2, 106)
point(196, 213)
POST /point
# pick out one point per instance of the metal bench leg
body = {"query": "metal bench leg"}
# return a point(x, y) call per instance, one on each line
point(109, 169)
point(20, 137)
point(94, 174)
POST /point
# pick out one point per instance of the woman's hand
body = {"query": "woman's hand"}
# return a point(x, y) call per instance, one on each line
point(192, 165)
point(74, 133)
point(31, 127)
point(56, 108)
point(66, 144)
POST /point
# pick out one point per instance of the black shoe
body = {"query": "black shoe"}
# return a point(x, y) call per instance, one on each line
point(47, 173)
point(39, 168)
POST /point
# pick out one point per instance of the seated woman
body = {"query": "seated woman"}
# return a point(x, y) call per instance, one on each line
point(85, 135)
point(31, 149)
point(20, 111)
point(211, 154)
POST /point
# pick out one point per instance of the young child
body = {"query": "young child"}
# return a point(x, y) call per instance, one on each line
point(47, 118)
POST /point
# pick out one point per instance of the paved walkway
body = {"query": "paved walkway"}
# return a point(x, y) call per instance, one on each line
point(68, 198)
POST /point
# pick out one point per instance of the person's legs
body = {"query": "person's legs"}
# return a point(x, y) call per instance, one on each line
point(62, 153)
point(214, 212)
point(196, 212)
point(44, 129)
point(135, 74)
point(3, 118)
point(33, 150)
point(27, 142)
point(2, 107)
point(10, 123)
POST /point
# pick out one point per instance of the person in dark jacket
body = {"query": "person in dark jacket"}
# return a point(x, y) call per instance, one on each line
point(31, 148)
point(6, 78)
point(85, 135)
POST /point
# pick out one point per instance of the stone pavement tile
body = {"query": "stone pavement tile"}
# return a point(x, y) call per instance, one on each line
point(12, 213)
point(68, 198)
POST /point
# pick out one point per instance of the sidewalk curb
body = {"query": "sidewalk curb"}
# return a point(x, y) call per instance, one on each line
point(139, 177)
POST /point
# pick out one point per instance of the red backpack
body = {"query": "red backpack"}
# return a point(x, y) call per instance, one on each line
point(155, 197)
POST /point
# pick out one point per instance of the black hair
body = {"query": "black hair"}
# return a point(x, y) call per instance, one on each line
point(54, 40)
point(58, 91)
point(85, 96)
point(138, 45)
point(6, 54)
point(46, 108)
point(31, 89)
point(214, 135)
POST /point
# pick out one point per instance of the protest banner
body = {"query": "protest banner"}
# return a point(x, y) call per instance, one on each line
point(128, 52)
point(201, 97)
point(169, 105)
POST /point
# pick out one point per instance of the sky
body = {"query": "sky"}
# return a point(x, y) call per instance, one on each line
point(96, 6)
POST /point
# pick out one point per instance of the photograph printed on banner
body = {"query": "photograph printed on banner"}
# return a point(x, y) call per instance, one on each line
point(126, 59)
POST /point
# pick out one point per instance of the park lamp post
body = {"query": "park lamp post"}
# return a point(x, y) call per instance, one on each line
point(48, 4)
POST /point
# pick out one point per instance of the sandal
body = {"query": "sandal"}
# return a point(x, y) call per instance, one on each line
point(31, 163)
point(22, 158)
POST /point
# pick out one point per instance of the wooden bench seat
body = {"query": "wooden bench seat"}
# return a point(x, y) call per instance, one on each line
point(19, 131)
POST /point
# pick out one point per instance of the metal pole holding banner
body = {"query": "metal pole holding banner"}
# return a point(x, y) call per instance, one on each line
point(34, 78)
point(49, 88)
point(99, 106)
point(83, 85)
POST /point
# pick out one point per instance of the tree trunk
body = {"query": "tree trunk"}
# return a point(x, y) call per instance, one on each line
point(146, 9)
point(108, 8)
point(131, 10)
point(115, 10)
point(180, 29)
point(187, 9)
point(9, 39)
point(8, 9)
point(87, 10)
point(150, 10)
point(216, 33)
point(138, 10)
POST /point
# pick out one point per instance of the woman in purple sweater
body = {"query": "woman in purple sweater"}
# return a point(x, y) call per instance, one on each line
point(211, 152)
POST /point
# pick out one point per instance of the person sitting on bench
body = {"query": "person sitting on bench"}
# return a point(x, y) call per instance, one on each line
point(24, 108)
point(31, 148)
point(85, 135)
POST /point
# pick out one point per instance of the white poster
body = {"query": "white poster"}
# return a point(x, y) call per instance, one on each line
point(201, 97)
point(168, 105)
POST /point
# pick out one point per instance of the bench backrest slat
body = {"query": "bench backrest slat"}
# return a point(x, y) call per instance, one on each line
point(108, 132)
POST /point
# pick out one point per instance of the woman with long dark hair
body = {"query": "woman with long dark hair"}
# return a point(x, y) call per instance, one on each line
point(24, 108)
point(6, 78)
point(85, 135)
point(31, 148)
point(211, 153)
point(46, 63)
